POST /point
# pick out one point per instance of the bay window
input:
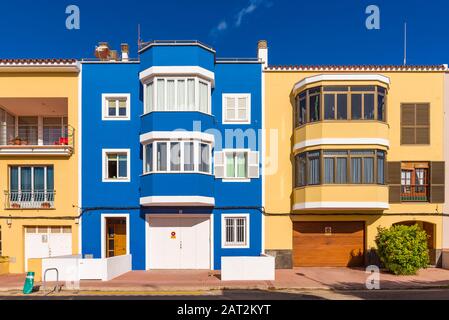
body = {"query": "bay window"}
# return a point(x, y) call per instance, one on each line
point(340, 167)
point(340, 103)
point(177, 157)
point(174, 94)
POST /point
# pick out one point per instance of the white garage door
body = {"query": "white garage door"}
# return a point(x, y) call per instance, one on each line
point(45, 242)
point(178, 243)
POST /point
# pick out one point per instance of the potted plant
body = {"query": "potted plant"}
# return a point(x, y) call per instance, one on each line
point(15, 206)
point(17, 141)
point(46, 205)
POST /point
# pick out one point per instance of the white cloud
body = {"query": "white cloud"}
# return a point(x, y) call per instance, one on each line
point(222, 26)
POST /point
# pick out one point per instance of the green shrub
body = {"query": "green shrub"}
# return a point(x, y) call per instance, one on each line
point(402, 249)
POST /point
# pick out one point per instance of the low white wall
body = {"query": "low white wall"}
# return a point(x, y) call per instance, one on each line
point(117, 266)
point(446, 259)
point(74, 268)
point(248, 268)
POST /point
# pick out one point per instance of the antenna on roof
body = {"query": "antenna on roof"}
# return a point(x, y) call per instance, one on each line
point(139, 39)
point(405, 43)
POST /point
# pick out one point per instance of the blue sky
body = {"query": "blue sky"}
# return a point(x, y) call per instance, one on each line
point(299, 32)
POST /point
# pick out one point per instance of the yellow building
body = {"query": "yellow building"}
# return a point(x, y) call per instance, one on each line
point(349, 150)
point(39, 101)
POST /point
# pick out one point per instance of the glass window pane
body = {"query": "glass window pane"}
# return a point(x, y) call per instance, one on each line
point(14, 179)
point(149, 158)
point(181, 95)
point(369, 106)
point(314, 108)
point(300, 171)
point(314, 171)
point(39, 179)
point(329, 170)
point(342, 171)
point(204, 158)
point(191, 94)
point(50, 178)
point(242, 165)
point(204, 97)
point(171, 95)
point(381, 170)
point(368, 170)
point(175, 156)
point(342, 109)
point(381, 107)
point(150, 98)
point(25, 179)
point(189, 164)
point(122, 108)
point(356, 106)
point(112, 106)
point(161, 95)
point(363, 88)
point(303, 110)
point(28, 127)
point(162, 156)
point(230, 165)
point(356, 170)
point(123, 166)
point(329, 106)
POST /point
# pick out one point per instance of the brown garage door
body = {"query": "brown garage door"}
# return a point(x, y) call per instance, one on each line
point(329, 244)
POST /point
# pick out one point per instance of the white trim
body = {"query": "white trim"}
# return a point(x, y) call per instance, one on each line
point(236, 96)
point(341, 77)
point(341, 141)
point(341, 205)
point(59, 151)
point(174, 201)
point(212, 241)
point(223, 231)
point(152, 72)
point(104, 216)
point(177, 135)
point(80, 158)
point(104, 108)
point(104, 159)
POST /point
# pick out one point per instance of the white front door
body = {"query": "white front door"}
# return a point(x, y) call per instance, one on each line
point(46, 242)
point(178, 242)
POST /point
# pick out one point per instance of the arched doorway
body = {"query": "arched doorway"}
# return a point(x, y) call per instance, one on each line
point(429, 228)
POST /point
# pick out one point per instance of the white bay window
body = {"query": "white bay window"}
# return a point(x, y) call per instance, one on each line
point(177, 157)
point(173, 94)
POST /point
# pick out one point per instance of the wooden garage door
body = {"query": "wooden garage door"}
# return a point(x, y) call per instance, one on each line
point(329, 244)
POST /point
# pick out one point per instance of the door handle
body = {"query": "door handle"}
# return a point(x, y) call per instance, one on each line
point(180, 245)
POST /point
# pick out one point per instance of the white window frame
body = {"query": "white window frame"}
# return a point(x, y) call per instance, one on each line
point(196, 161)
point(236, 96)
point(105, 114)
point(196, 107)
point(224, 244)
point(104, 216)
point(225, 161)
point(105, 152)
point(19, 177)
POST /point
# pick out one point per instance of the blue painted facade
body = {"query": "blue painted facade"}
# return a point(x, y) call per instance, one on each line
point(98, 197)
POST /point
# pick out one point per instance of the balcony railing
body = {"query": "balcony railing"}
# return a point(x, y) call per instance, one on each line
point(30, 199)
point(52, 139)
point(415, 193)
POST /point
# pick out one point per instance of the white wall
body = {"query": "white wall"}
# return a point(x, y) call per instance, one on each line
point(74, 268)
point(248, 268)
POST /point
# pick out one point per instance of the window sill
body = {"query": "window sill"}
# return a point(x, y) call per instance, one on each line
point(176, 172)
point(116, 119)
point(116, 180)
point(230, 247)
point(178, 111)
point(230, 180)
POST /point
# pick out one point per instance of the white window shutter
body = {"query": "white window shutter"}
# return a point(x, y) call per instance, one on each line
point(219, 165)
point(253, 165)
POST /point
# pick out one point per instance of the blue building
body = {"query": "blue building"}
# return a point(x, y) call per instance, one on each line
point(171, 156)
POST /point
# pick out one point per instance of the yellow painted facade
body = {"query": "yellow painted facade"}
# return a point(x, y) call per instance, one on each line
point(280, 193)
point(41, 83)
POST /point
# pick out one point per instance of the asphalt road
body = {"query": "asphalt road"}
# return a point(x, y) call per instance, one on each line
point(431, 294)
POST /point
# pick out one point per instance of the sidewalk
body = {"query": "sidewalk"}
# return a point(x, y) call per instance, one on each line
point(299, 279)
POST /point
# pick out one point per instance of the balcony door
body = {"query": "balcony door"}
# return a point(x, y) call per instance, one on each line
point(415, 182)
point(31, 187)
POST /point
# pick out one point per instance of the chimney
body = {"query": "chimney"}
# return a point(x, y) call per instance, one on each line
point(262, 52)
point(125, 51)
point(113, 56)
point(102, 51)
